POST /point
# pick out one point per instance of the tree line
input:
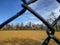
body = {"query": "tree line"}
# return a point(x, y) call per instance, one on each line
point(29, 26)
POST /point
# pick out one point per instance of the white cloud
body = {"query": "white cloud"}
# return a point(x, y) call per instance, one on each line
point(57, 11)
point(45, 11)
point(33, 21)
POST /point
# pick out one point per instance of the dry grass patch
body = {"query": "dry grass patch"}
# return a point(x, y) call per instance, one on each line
point(29, 37)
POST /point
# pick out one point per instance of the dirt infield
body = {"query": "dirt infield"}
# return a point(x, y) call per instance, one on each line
point(29, 37)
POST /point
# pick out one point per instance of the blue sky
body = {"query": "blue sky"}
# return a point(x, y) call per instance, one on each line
point(8, 8)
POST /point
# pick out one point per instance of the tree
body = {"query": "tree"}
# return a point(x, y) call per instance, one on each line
point(52, 17)
point(17, 27)
point(8, 26)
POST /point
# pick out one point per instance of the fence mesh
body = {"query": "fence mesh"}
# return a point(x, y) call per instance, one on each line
point(50, 30)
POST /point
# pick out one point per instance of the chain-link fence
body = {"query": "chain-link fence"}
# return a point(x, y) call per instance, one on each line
point(50, 30)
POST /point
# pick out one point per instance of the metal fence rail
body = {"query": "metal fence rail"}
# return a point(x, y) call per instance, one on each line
point(50, 31)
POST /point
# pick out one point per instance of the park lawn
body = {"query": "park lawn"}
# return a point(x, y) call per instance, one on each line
point(27, 34)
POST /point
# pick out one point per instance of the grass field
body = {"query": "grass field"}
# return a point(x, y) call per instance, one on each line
point(29, 37)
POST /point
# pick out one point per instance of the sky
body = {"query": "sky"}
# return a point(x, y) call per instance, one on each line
point(9, 8)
